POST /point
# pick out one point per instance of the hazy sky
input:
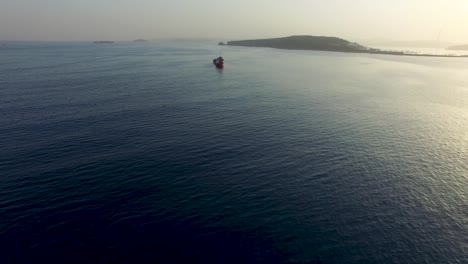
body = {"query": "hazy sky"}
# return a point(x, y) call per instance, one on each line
point(234, 19)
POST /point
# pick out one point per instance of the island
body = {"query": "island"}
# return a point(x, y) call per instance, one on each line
point(321, 43)
point(103, 42)
point(459, 47)
point(303, 43)
point(140, 40)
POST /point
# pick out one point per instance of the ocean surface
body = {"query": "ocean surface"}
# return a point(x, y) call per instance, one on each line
point(145, 153)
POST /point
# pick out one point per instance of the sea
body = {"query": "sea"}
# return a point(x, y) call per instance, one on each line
point(146, 153)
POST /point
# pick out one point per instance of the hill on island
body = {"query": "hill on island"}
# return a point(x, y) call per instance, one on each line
point(459, 47)
point(303, 43)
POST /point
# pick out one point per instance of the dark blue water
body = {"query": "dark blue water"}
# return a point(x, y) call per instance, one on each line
point(145, 153)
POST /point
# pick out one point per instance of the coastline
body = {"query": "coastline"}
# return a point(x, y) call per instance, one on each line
point(331, 44)
point(371, 51)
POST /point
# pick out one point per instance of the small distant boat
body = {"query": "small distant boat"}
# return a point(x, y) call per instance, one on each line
point(219, 62)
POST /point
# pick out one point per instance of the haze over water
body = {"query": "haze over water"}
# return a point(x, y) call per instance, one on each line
point(144, 153)
point(356, 21)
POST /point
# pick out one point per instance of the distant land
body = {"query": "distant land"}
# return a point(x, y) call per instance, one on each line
point(140, 40)
point(459, 47)
point(303, 43)
point(103, 42)
point(321, 43)
point(409, 44)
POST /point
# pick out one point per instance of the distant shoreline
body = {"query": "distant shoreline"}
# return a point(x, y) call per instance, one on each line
point(331, 44)
point(103, 42)
point(459, 47)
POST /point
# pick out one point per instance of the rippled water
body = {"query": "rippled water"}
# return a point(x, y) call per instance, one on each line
point(145, 153)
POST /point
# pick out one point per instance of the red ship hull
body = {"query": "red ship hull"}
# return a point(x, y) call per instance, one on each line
point(218, 64)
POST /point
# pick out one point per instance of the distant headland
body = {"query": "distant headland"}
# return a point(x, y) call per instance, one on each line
point(321, 43)
point(140, 40)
